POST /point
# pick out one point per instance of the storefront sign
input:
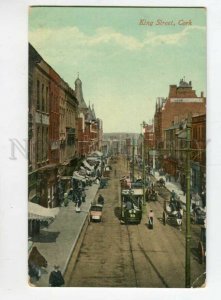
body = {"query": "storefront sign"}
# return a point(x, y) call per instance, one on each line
point(186, 100)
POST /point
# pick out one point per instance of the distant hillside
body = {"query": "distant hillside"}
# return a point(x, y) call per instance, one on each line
point(119, 135)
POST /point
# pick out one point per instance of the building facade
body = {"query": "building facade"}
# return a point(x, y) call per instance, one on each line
point(53, 111)
point(198, 157)
point(181, 102)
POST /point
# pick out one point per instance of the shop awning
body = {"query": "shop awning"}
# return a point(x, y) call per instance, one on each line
point(97, 153)
point(93, 158)
point(65, 177)
point(87, 165)
point(77, 176)
point(38, 212)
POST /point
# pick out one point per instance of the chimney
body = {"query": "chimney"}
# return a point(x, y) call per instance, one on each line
point(201, 95)
point(172, 91)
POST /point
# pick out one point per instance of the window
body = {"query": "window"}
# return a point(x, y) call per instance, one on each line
point(38, 94)
point(38, 144)
point(42, 97)
point(51, 102)
point(42, 143)
point(47, 100)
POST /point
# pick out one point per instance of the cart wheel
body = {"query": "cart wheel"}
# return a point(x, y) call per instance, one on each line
point(201, 253)
point(164, 218)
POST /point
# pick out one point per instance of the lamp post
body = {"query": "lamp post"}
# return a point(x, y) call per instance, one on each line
point(188, 231)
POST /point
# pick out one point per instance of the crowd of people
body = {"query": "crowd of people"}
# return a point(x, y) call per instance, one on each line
point(79, 183)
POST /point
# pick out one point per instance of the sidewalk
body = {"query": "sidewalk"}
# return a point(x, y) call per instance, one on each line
point(176, 187)
point(56, 243)
point(172, 186)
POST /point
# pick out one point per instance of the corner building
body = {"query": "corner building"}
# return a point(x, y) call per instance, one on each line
point(181, 102)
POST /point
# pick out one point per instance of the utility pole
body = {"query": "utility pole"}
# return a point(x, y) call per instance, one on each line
point(133, 160)
point(153, 152)
point(188, 232)
point(143, 167)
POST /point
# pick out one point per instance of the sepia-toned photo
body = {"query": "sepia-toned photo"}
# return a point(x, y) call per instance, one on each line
point(117, 147)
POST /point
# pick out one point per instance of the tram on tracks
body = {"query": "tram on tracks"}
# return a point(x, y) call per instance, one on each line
point(131, 206)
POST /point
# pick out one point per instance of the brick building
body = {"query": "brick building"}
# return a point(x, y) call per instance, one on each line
point(38, 127)
point(198, 157)
point(149, 143)
point(182, 101)
point(174, 162)
point(68, 112)
point(48, 95)
point(61, 128)
point(174, 157)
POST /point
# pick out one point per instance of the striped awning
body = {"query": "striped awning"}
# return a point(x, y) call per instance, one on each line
point(38, 212)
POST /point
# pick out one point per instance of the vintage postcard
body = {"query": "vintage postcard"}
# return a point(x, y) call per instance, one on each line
point(117, 147)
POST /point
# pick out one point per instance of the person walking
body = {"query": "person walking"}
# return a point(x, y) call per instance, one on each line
point(78, 206)
point(150, 219)
point(83, 195)
point(203, 197)
point(197, 199)
point(56, 279)
point(173, 196)
point(66, 199)
point(100, 199)
point(179, 218)
point(169, 178)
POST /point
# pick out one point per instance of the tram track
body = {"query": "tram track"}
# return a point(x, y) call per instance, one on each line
point(126, 255)
point(132, 256)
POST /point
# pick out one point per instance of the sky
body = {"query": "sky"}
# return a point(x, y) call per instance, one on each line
point(123, 65)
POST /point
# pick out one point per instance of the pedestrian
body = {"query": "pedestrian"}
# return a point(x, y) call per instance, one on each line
point(49, 202)
point(150, 219)
point(83, 195)
point(197, 199)
point(179, 219)
point(100, 199)
point(184, 188)
point(129, 205)
point(173, 195)
point(30, 283)
point(65, 199)
point(203, 197)
point(78, 206)
point(56, 279)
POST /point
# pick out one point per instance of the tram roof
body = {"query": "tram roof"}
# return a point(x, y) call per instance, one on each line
point(135, 192)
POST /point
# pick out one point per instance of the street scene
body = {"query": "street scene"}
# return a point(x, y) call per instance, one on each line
point(117, 147)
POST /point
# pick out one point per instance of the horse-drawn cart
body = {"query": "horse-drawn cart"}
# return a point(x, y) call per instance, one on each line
point(160, 183)
point(151, 195)
point(172, 213)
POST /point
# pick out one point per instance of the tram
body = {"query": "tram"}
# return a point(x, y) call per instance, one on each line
point(131, 206)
